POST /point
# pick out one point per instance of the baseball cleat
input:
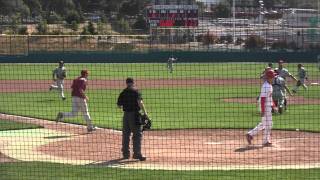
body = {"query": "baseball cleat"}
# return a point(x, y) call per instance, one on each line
point(267, 144)
point(249, 138)
point(141, 158)
point(64, 98)
point(92, 128)
point(126, 156)
point(50, 88)
point(59, 117)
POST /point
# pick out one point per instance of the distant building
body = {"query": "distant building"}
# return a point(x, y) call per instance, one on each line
point(294, 17)
point(172, 2)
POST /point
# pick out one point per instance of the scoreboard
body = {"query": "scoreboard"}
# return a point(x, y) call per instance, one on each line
point(172, 15)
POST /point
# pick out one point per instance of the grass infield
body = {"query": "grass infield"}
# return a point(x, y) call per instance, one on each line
point(204, 108)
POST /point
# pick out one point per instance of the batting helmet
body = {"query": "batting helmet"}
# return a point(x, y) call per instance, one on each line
point(61, 62)
point(270, 74)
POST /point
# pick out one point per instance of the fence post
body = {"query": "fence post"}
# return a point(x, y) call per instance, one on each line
point(28, 43)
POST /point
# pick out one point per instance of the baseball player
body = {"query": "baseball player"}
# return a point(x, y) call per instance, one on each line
point(302, 75)
point(284, 73)
point(279, 92)
point(170, 62)
point(58, 76)
point(262, 77)
point(269, 66)
point(266, 107)
point(79, 101)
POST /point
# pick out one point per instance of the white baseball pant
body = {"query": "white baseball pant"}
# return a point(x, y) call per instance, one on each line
point(79, 104)
point(59, 86)
point(266, 125)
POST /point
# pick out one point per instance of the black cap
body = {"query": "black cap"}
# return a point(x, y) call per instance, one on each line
point(61, 62)
point(129, 80)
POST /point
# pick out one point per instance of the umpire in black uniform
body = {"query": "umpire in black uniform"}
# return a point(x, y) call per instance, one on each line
point(130, 101)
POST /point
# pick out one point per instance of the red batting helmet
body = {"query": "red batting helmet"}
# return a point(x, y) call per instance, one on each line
point(270, 74)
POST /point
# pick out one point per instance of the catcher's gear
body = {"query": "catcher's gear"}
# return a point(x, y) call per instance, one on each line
point(145, 122)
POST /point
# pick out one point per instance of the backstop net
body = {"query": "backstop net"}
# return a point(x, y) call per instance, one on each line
point(201, 115)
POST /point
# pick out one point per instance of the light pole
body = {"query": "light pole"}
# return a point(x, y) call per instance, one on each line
point(261, 11)
point(234, 20)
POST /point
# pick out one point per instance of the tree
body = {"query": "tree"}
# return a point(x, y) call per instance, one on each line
point(222, 11)
point(91, 28)
point(72, 16)
point(254, 42)
point(9, 7)
point(53, 18)
point(42, 27)
point(74, 26)
point(34, 6)
point(130, 8)
point(140, 23)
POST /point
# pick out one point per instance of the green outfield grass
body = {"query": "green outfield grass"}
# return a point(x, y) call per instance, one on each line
point(145, 70)
point(40, 171)
point(169, 108)
point(11, 125)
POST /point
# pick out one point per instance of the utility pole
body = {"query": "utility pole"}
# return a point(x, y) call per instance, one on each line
point(234, 20)
point(261, 11)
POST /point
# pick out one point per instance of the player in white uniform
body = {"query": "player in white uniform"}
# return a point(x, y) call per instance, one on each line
point(58, 76)
point(302, 75)
point(266, 107)
point(170, 62)
point(284, 73)
point(279, 91)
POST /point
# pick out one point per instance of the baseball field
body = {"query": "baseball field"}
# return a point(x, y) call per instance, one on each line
point(200, 114)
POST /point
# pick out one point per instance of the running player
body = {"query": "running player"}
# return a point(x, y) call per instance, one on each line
point(58, 76)
point(266, 107)
point(302, 75)
point(79, 101)
point(279, 92)
point(170, 63)
point(284, 73)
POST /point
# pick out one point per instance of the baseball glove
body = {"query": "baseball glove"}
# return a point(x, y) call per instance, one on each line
point(299, 83)
point(146, 122)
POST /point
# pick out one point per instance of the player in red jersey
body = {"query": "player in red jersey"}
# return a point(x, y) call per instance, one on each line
point(79, 101)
